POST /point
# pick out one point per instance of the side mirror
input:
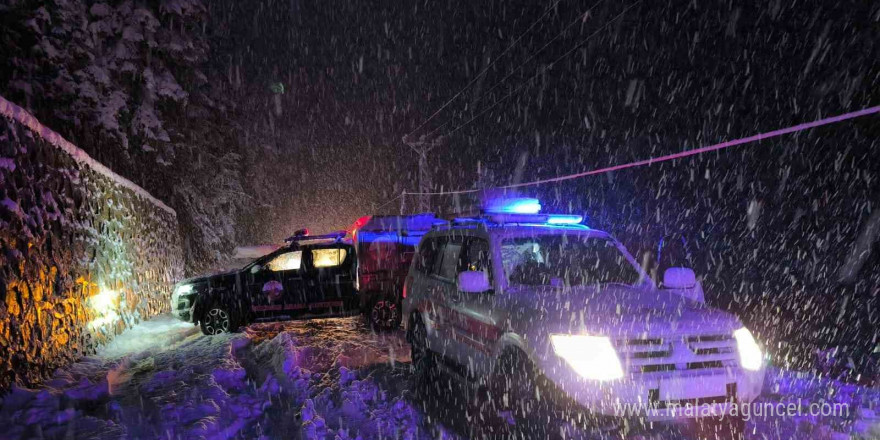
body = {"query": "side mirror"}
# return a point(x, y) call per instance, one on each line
point(256, 268)
point(684, 282)
point(473, 281)
point(679, 278)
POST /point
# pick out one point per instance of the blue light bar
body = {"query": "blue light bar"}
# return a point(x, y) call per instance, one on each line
point(518, 218)
point(564, 219)
point(518, 205)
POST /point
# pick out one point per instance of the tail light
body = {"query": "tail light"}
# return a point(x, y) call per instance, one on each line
point(406, 286)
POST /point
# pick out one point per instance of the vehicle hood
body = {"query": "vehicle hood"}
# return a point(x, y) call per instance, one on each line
point(205, 278)
point(615, 311)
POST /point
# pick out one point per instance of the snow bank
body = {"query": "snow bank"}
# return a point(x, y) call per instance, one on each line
point(344, 381)
point(322, 379)
point(158, 380)
point(855, 418)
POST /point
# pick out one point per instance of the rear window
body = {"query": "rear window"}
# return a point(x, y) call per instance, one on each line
point(427, 254)
point(328, 257)
point(448, 267)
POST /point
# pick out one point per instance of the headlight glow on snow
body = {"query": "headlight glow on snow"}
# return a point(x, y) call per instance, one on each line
point(750, 356)
point(103, 305)
point(592, 357)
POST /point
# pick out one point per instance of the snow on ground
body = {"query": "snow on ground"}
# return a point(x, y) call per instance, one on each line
point(320, 379)
point(327, 378)
point(160, 379)
point(342, 380)
point(859, 420)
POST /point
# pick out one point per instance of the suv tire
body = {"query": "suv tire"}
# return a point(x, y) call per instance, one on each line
point(424, 362)
point(514, 403)
point(217, 319)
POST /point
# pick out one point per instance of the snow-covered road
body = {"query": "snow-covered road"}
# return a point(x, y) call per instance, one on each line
point(327, 379)
point(310, 379)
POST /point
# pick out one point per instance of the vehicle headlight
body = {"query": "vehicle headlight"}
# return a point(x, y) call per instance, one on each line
point(184, 289)
point(592, 357)
point(750, 356)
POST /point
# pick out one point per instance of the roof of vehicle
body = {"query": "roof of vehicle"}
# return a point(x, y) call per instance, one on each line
point(507, 221)
point(397, 223)
point(303, 235)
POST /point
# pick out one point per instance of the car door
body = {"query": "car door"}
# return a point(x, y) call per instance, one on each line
point(330, 284)
point(441, 291)
point(276, 285)
point(476, 324)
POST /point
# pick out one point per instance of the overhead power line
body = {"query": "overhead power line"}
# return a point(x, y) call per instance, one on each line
point(679, 155)
point(388, 202)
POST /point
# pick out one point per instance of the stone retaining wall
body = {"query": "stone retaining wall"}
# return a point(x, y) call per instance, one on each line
point(84, 253)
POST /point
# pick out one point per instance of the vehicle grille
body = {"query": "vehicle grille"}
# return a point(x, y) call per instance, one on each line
point(680, 353)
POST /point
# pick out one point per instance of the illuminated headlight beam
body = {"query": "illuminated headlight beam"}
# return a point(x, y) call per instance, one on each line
point(592, 357)
point(750, 356)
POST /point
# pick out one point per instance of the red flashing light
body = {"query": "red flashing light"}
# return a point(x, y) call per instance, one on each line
point(359, 223)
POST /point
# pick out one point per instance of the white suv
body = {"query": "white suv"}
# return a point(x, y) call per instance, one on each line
point(540, 310)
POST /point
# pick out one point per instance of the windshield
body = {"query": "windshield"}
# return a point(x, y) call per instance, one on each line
point(565, 260)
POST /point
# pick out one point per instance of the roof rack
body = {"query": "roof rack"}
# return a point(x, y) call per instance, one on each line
point(303, 236)
point(487, 219)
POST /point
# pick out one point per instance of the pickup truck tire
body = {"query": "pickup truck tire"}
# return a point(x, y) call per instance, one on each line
point(217, 319)
point(384, 314)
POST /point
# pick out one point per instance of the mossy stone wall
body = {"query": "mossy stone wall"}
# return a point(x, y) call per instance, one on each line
point(84, 253)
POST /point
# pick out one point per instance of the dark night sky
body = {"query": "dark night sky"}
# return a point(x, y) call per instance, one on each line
point(774, 222)
point(360, 75)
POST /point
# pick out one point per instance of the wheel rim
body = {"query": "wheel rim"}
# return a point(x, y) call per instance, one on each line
point(216, 321)
point(384, 314)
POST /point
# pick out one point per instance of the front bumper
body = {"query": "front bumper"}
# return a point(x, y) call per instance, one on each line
point(660, 396)
point(182, 305)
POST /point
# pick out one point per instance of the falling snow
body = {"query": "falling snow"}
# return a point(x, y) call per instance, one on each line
point(739, 140)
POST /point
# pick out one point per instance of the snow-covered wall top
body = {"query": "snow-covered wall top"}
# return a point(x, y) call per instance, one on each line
point(84, 253)
point(22, 116)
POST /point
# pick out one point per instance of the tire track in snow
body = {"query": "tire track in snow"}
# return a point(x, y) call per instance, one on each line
point(334, 378)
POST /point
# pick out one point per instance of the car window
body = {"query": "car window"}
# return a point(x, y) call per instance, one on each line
point(562, 260)
point(427, 254)
point(477, 258)
point(286, 261)
point(434, 269)
point(328, 257)
point(448, 268)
